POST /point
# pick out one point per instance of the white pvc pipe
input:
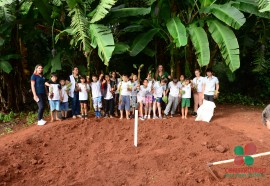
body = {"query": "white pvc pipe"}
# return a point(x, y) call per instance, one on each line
point(232, 160)
point(136, 129)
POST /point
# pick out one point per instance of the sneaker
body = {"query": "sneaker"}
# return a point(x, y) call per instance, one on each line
point(79, 116)
point(149, 117)
point(145, 117)
point(141, 118)
point(106, 116)
point(41, 122)
point(155, 117)
point(74, 117)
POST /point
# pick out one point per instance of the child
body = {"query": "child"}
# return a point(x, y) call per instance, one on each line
point(96, 94)
point(144, 90)
point(124, 102)
point(149, 97)
point(133, 97)
point(182, 80)
point(64, 100)
point(174, 87)
point(186, 95)
point(158, 90)
point(54, 97)
point(108, 87)
point(83, 88)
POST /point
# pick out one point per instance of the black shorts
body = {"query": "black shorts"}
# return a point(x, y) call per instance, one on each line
point(209, 98)
point(83, 101)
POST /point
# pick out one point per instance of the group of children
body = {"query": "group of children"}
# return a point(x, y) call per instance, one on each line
point(127, 93)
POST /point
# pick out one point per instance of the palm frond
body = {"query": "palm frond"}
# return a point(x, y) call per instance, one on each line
point(6, 11)
point(102, 10)
point(80, 25)
point(264, 5)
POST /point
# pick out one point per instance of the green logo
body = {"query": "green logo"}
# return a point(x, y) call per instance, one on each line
point(243, 154)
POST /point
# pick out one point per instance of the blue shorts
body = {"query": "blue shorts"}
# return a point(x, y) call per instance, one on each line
point(125, 103)
point(97, 103)
point(54, 105)
point(158, 99)
point(64, 106)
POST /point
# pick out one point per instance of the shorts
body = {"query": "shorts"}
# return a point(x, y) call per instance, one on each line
point(97, 103)
point(125, 103)
point(185, 102)
point(54, 105)
point(133, 101)
point(209, 97)
point(158, 99)
point(140, 99)
point(83, 101)
point(64, 106)
point(148, 99)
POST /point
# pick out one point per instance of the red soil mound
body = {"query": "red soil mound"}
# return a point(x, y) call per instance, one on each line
point(101, 152)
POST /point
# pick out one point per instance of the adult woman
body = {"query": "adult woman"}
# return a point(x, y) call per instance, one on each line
point(74, 93)
point(161, 73)
point(38, 90)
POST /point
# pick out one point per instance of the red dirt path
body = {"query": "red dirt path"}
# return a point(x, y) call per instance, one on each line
point(101, 152)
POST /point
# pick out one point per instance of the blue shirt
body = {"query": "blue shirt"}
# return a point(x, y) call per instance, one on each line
point(39, 83)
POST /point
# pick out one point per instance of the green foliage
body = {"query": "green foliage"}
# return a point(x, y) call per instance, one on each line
point(6, 14)
point(127, 12)
point(31, 118)
point(264, 5)
point(7, 117)
point(102, 10)
point(237, 98)
point(141, 41)
point(102, 37)
point(8, 130)
point(227, 14)
point(200, 43)
point(251, 7)
point(79, 25)
point(227, 43)
point(177, 31)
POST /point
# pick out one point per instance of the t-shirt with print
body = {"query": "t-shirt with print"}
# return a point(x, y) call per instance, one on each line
point(187, 89)
point(108, 94)
point(144, 91)
point(150, 86)
point(174, 88)
point(83, 93)
point(54, 88)
point(39, 83)
point(134, 88)
point(158, 89)
point(198, 83)
point(210, 85)
point(124, 88)
point(96, 89)
point(64, 93)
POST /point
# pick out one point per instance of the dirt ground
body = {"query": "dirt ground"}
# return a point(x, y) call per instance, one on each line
point(170, 151)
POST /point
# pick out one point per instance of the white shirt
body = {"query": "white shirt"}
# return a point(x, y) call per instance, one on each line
point(174, 88)
point(144, 91)
point(158, 89)
point(150, 83)
point(187, 89)
point(124, 88)
point(83, 94)
point(210, 85)
point(108, 93)
point(64, 94)
point(134, 88)
point(55, 89)
point(198, 83)
point(95, 87)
